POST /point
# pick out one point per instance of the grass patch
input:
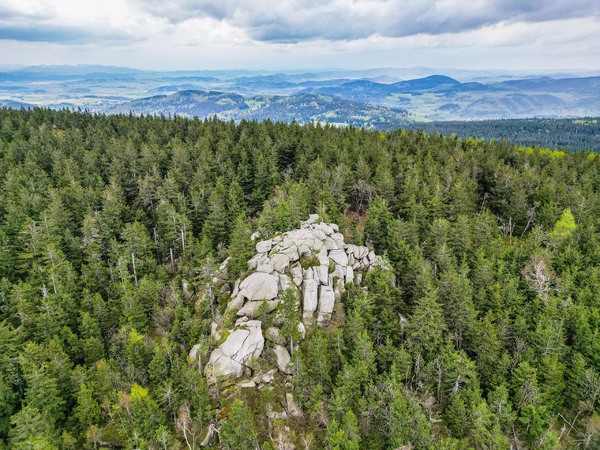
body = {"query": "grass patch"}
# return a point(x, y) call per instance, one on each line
point(308, 261)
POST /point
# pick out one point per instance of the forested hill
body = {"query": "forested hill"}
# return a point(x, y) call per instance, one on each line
point(303, 108)
point(483, 334)
point(574, 134)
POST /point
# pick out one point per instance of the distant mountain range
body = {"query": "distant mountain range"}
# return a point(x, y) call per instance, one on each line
point(11, 104)
point(443, 98)
point(372, 98)
point(301, 108)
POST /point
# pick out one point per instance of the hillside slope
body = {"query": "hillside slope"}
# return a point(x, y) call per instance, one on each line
point(165, 284)
point(300, 108)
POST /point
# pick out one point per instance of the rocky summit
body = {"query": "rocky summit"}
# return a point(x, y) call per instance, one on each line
point(312, 265)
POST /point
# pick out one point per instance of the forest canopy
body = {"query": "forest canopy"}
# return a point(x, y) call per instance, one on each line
point(485, 334)
point(574, 134)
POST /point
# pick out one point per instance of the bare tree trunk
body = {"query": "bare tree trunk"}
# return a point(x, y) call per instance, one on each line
point(134, 269)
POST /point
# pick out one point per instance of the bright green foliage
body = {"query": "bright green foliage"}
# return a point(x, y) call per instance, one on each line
point(145, 415)
point(345, 436)
point(137, 417)
point(565, 226)
point(87, 411)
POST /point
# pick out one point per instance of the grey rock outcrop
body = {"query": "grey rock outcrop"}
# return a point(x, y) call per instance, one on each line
point(310, 295)
point(283, 358)
point(314, 263)
point(272, 334)
point(252, 309)
point(237, 352)
point(259, 286)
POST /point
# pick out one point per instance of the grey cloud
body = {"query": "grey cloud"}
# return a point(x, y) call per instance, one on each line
point(61, 34)
point(534, 11)
point(44, 26)
point(39, 34)
point(10, 14)
point(297, 20)
point(177, 11)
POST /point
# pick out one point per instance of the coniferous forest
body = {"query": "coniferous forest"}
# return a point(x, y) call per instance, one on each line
point(575, 134)
point(483, 333)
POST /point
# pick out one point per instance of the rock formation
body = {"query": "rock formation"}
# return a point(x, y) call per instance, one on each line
point(241, 346)
point(316, 264)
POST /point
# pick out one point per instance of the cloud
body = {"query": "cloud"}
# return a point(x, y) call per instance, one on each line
point(302, 33)
point(298, 20)
point(284, 21)
point(42, 34)
point(64, 21)
point(62, 34)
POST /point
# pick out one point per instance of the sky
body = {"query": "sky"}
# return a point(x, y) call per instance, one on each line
point(297, 34)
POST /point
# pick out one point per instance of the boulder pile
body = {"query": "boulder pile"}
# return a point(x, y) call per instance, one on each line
point(315, 263)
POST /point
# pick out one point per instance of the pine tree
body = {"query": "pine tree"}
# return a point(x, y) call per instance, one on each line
point(457, 296)
point(241, 247)
point(216, 226)
point(426, 326)
point(345, 436)
point(239, 430)
point(378, 223)
point(31, 429)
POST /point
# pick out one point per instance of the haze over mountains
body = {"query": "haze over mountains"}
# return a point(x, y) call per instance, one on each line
point(382, 98)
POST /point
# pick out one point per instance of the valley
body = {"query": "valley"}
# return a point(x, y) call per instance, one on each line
point(378, 98)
